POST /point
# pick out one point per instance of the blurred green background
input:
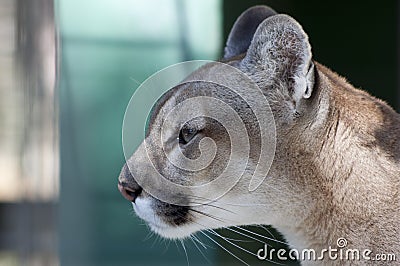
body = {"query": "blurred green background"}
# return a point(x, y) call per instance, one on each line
point(105, 49)
point(108, 49)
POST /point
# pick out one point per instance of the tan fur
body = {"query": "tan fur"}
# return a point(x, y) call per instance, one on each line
point(353, 182)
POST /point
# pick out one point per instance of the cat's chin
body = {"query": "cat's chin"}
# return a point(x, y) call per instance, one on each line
point(170, 232)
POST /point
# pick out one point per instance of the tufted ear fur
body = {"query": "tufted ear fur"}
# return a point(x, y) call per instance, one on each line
point(244, 28)
point(280, 52)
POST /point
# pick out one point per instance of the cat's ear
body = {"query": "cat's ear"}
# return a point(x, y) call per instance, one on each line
point(244, 28)
point(280, 52)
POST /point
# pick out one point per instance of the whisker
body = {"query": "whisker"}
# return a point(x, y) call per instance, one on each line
point(184, 248)
point(208, 215)
point(245, 250)
point(229, 252)
point(235, 245)
point(243, 204)
point(256, 234)
point(199, 241)
point(243, 234)
point(238, 240)
point(201, 252)
point(214, 206)
point(266, 229)
point(166, 246)
point(232, 239)
point(155, 241)
point(148, 236)
point(176, 244)
point(210, 205)
point(220, 219)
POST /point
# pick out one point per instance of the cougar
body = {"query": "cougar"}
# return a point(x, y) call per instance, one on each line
point(335, 172)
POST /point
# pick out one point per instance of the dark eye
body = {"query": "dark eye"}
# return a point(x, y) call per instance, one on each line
point(187, 134)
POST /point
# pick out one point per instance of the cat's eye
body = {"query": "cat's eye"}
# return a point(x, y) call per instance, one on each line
point(187, 134)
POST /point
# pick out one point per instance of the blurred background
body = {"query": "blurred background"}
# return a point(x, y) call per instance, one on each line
point(67, 71)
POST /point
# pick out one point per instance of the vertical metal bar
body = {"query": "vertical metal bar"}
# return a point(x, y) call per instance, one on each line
point(38, 139)
point(36, 63)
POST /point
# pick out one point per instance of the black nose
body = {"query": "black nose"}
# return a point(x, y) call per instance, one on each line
point(127, 185)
